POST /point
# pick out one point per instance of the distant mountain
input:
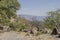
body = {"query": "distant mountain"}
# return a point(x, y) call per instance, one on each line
point(30, 17)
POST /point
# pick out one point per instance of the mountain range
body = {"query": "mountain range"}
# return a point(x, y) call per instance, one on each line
point(31, 17)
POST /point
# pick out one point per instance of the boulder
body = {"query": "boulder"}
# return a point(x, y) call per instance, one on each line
point(34, 31)
point(4, 28)
point(58, 36)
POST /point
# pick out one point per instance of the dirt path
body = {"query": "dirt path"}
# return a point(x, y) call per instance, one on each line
point(16, 36)
point(10, 36)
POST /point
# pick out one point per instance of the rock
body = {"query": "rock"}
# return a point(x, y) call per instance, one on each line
point(58, 36)
point(34, 31)
point(25, 30)
point(4, 28)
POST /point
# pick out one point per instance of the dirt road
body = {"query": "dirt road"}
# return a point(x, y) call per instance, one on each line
point(10, 36)
point(16, 36)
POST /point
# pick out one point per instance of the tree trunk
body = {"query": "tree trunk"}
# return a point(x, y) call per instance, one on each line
point(54, 32)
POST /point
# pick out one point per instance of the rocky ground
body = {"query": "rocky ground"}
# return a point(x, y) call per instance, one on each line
point(21, 36)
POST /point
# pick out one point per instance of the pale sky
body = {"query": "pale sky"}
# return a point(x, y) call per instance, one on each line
point(38, 7)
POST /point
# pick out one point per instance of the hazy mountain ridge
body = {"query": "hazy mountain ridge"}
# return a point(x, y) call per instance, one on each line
point(30, 17)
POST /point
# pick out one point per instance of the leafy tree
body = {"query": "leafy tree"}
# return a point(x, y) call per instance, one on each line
point(53, 19)
point(3, 18)
point(8, 9)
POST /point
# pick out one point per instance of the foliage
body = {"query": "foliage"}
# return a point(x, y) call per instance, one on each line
point(4, 20)
point(18, 24)
point(52, 20)
point(7, 10)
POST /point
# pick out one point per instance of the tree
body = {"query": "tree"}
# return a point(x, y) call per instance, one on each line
point(8, 9)
point(36, 23)
point(53, 19)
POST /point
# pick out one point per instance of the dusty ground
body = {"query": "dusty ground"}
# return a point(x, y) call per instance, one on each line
point(20, 36)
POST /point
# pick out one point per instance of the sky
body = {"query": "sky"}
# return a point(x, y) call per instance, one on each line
point(38, 7)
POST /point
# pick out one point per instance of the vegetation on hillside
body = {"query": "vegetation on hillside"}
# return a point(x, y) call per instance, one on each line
point(8, 10)
point(8, 17)
point(53, 19)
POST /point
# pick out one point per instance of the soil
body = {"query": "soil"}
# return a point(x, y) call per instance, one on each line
point(22, 36)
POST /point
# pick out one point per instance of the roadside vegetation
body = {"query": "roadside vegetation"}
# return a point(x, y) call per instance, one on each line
point(8, 17)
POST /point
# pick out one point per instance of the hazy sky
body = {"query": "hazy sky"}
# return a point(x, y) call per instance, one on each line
point(38, 7)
